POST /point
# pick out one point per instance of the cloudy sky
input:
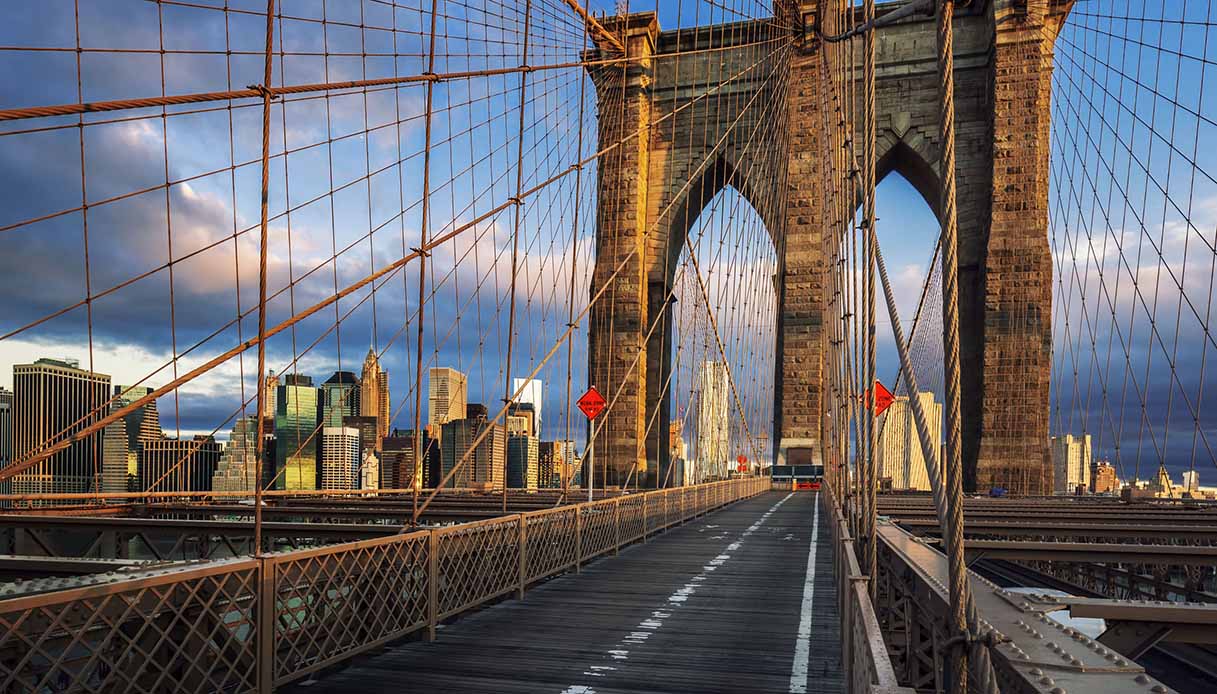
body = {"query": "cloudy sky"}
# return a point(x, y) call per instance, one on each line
point(167, 206)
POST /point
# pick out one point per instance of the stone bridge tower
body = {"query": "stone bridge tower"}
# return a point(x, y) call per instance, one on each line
point(759, 131)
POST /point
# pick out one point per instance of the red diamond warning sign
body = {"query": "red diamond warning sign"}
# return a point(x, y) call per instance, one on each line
point(591, 403)
point(883, 398)
point(742, 461)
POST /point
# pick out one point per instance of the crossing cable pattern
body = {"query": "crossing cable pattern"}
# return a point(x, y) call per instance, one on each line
point(1134, 179)
point(968, 658)
point(391, 139)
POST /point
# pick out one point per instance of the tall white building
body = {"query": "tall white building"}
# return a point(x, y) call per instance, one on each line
point(115, 457)
point(340, 458)
point(1071, 461)
point(1191, 481)
point(899, 447)
point(447, 397)
point(713, 434)
point(369, 471)
point(532, 395)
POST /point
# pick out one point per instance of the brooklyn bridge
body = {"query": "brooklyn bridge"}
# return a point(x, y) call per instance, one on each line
point(690, 346)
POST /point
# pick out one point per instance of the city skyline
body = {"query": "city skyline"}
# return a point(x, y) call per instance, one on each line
point(315, 439)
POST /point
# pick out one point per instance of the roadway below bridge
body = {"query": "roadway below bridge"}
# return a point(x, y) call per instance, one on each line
point(741, 599)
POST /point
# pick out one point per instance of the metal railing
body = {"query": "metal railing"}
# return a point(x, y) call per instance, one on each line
point(252, 624)
point(864, 656)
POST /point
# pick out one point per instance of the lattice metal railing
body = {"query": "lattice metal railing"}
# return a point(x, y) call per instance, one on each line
point(631, 513)
point(334, 602)
point(189, 630)
point(551, 542)
point(253, 624)
point(598, 527)
point(477, 562)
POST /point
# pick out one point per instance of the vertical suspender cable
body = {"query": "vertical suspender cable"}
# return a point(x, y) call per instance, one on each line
point(261, 444)
point(952, 527)
point(868, 276)
point(419, 455)
point(515, 233)
point(567, 449)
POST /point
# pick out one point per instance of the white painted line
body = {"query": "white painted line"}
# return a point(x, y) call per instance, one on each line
point(802, 645)
point(677, 599)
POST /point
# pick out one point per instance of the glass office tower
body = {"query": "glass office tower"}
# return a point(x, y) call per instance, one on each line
point(297, 408)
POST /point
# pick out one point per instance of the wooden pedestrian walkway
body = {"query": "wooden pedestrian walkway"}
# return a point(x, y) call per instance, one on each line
point(725, 603)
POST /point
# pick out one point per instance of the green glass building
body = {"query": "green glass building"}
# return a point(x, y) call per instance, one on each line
point(297, 412)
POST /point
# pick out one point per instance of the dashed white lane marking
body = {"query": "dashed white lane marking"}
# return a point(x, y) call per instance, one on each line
point(802, 644)
point(654, 621)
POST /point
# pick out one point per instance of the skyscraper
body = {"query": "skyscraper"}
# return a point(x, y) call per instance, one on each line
point(1191, 481)
point(237, 470)
point(270, 397)
point(1071, 462)
point(341, 456)
point(532, 394)
point(367, 426)
point(6, 436)
point(485, 463)
point(340, 398)
point(1103, 478)
point(522, 454)
point(518, 426)
point(526, 412)
point(900, 457)
point(140, 425)
point(374, 393)
point(447, 397)
point(53, 399)
point(554, 462)
point(713, 435)
point(399, 466)
point(178, 465)
point(116, 457)
point(296, 433)
point(144, 423)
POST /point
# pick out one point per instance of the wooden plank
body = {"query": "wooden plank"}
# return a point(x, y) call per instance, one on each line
point(711, 606)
